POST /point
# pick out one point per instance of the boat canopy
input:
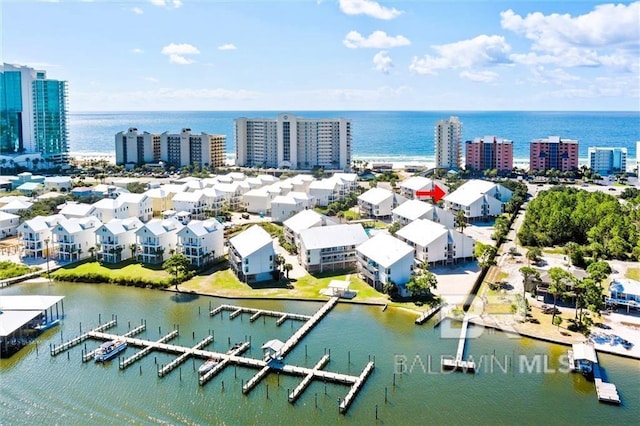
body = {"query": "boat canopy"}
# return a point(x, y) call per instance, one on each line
point(584, 351)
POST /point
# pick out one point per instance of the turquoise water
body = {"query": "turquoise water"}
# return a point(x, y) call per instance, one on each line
point(36, 388)
point(391, 135)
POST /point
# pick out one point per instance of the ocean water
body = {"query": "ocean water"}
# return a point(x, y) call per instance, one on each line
point(378, 135)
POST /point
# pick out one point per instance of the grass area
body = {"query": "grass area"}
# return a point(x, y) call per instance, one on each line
point(633, 274)
point(553, 250)
point(10, 269)
point(126, 273)
point(225, 283)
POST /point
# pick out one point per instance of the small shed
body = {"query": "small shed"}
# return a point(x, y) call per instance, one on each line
point(272, 349)
point(338, 287)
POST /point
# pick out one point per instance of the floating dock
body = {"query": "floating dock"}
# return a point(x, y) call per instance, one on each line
point(163, 371)
point(88, 356)
point(293, 396)
point(56, 349)
point(222, 364)
point(584, 355)
point(148, 346)
point(458, 364)
point(428, 314)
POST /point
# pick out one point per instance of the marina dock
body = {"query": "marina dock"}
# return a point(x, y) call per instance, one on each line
point(87, 356)
point(584, 358)
point(234, 356)
point(458, 364)
point(428, 314)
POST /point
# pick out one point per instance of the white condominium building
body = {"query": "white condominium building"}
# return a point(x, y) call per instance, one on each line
point(178, 150)
point(293, 142)
point(448, 142)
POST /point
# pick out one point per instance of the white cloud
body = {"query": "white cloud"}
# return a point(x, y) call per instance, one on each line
point(479, 76)
point(554, 76)
point(137, 10)
point(369, 8)
point(377, 40)
point(609, 35)
point(482, 50)
point(382, 62)
point(168, 4)
point(177, 52)
point(137, 50)
point(152, 79)
point(227, 46)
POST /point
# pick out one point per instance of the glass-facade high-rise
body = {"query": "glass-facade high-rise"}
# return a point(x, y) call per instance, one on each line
point(33, 114)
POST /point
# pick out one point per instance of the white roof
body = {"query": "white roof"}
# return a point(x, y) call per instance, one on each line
point(131, 198)
point(422, 232)
point(41, 223)
point(121, 226)
point(375, 196)
point(157, 193)
point(274, 345)
point(584, 351)
point(28, 303)
point(625, 285)
point(259, 192)
point(5, 216)
point(412, 209)
point(333, 236)
point(202, 227)
point(162, 226)
point(267, 178)
point(339, 285)
point(237, 176)
point(227, 187)
point(300, 196)
point(16, 205)
point(285, 199)
point(174, 188)
point(251, 240)
point(329, 184)
point(57, 179)
point(106, 204)
point(470, 192)
point(195, 184)
point(10, 198)
point(347, 177)
point(385, 249)
point(10, 321)
point(416, 183)
point(303, 220)
point(75, 225)
point(188, 197)
point(77, 209)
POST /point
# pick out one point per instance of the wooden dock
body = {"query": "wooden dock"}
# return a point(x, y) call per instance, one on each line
point(293, 396)
point(56, 349)
point(257, 313)
point(428, 314)
point(163, 371)
point(311, 322)
point(458, 364)
point(88, 356)
point(222, 364)
point(346, 402)
point(148, 346)
point(606, 392)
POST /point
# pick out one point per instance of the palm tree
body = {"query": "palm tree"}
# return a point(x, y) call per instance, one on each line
point(528, 273)
point(558, 285)
point(287, 267)
point(92, 252)
point(133, 247)
point(461, 220)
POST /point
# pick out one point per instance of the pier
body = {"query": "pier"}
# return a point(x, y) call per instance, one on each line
point(148, 346)
point(293, 396)
point(311, 322)
point(584, 358)
point(163, 371)
point(428, 314)
point(458, 364)
point(223, 363)
point(56, 349)
point(257, 313)
point(359, 382)
point(87, 356)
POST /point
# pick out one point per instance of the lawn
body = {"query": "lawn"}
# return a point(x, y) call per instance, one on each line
point(225, 283)
point(122, 273)
point(633, 274)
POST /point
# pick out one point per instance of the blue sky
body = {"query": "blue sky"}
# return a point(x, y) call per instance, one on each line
point(331, 54)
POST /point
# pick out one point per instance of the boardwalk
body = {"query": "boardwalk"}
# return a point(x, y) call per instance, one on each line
point(458, 364)
point(428, 314)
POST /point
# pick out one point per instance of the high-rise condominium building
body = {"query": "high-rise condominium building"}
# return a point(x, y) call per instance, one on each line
point(33, 115)
point(606, 161)
point(448, 143)
point(293, 142)
point(489, 152)
point(178, 150)
point(553, 153)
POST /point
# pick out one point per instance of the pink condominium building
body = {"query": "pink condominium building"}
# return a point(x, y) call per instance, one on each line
point(489, 152)
point(553, 153)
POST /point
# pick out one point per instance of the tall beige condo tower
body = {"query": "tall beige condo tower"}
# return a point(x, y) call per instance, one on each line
point(448, 143)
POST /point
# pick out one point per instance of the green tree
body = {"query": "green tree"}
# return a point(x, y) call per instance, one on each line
point(558, 287)
point(395, 227)
point(599, 271)
point(485, 254)
point(422, 283)
point(534, 255)
point(557, 321)
point(177, 265)
point(461, 220)
point(287, 268)
point(136, 187)
point(528, 274)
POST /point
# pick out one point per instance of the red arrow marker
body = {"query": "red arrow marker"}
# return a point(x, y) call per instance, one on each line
point(436, 194)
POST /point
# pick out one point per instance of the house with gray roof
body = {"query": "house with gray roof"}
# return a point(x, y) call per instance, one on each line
point(330, 248)
point(252, 255)
point(8, 224)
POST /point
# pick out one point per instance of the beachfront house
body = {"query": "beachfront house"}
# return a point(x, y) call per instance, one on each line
point(304, 220)
point(201, 241)
point(624, 292)
point(412, 210)
point(252, 255)
point(8, 224)
point(376, 203)
point(409, 187)
point(116, 240)
point(194, 203)
point(35, 235)
point(384, 259)
point(435, 243)
point(480, 200)
point(330, 248)
point(75, 237)
point(72, 210)
point(157, 239)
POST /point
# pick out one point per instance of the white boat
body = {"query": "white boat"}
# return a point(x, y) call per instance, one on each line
point(207, 366)
point(109, 349)
point(45, 325)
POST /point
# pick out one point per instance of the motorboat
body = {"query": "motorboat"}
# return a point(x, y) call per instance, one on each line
point(45, 325)
point(207, 366)
point(109, 349)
